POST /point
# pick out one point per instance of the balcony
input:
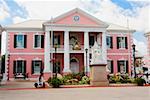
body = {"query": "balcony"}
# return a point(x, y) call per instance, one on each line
point(60, 49)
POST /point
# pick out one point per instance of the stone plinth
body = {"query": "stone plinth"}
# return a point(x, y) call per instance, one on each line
point(98, 75)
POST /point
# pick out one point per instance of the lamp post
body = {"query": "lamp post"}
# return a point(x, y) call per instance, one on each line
point(86, 50)
point(133, 46)
point(55, 65)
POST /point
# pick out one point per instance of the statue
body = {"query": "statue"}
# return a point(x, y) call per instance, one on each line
point(76, 46)
point(97, 56)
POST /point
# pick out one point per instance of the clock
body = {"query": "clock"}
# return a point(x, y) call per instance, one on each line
point(76, 18)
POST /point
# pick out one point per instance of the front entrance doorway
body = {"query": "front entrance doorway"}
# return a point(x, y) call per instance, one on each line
point(19, 69)
point(74, 65)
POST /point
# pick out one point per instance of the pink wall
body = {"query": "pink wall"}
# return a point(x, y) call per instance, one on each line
point(69, 20)
point(30, 45)
point(124, 52)
point(28, 60)
point(115, 58)
point(114, 49)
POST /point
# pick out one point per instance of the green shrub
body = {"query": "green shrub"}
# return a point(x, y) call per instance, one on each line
point(55, 82)
point(85, 80)
point(140, 81)
point(118, 78)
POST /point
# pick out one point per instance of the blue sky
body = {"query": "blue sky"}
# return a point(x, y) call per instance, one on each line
point(114, 11)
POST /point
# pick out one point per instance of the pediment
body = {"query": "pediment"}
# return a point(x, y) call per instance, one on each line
point(77, 17)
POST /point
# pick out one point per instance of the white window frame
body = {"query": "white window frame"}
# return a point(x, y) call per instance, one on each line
point(122, 44)
point(39, 40)
point(21, 47)
point(21, 66)
point(39, 61)
point(109, 67)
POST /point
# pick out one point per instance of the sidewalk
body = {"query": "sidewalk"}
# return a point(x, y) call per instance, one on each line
point(17, 85)
point(25, 85)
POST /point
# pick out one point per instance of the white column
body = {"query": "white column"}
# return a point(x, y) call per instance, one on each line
point(104, 48)
point(5, 45)
point(66, 53)
point(47, 67)
point(86, 56)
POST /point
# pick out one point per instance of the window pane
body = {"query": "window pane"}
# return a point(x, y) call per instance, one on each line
point(121, 42)
point(20, 41)
point(37, 67)
point(20, 66)
point(37, 41)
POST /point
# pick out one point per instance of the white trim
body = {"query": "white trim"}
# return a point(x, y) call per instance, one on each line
point(124, 33)
point(24, 29)
point(122, 59)
point(75, 28)
point(20, 33)
point(37, 58)
point(16, 53)
point(19, 59)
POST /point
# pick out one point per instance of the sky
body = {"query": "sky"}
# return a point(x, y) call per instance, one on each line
point(137, 12)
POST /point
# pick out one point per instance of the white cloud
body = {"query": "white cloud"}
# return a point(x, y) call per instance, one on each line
point(3, 14)
point(3, 11)
point(47, 9)
point(18, 19)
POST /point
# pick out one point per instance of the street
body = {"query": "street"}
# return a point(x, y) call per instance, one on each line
point(91, 93)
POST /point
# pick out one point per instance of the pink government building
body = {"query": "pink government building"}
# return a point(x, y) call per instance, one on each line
point(35, 45)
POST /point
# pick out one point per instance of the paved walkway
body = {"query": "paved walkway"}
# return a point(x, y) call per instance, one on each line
point(17, 85)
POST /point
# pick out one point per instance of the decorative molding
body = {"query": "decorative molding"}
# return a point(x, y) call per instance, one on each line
point(26, 53)
point(19, 58)
point(37, 58)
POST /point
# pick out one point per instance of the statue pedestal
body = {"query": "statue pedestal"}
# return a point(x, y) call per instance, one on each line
point(98, 75)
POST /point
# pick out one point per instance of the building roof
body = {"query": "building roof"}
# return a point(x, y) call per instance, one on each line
point(27, 24)
point(115, 27)
point(39, 24)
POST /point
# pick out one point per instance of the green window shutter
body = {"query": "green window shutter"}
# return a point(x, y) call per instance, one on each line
point(25, 41)
point(15, 41)
point(14, 67)
point(42, 41)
